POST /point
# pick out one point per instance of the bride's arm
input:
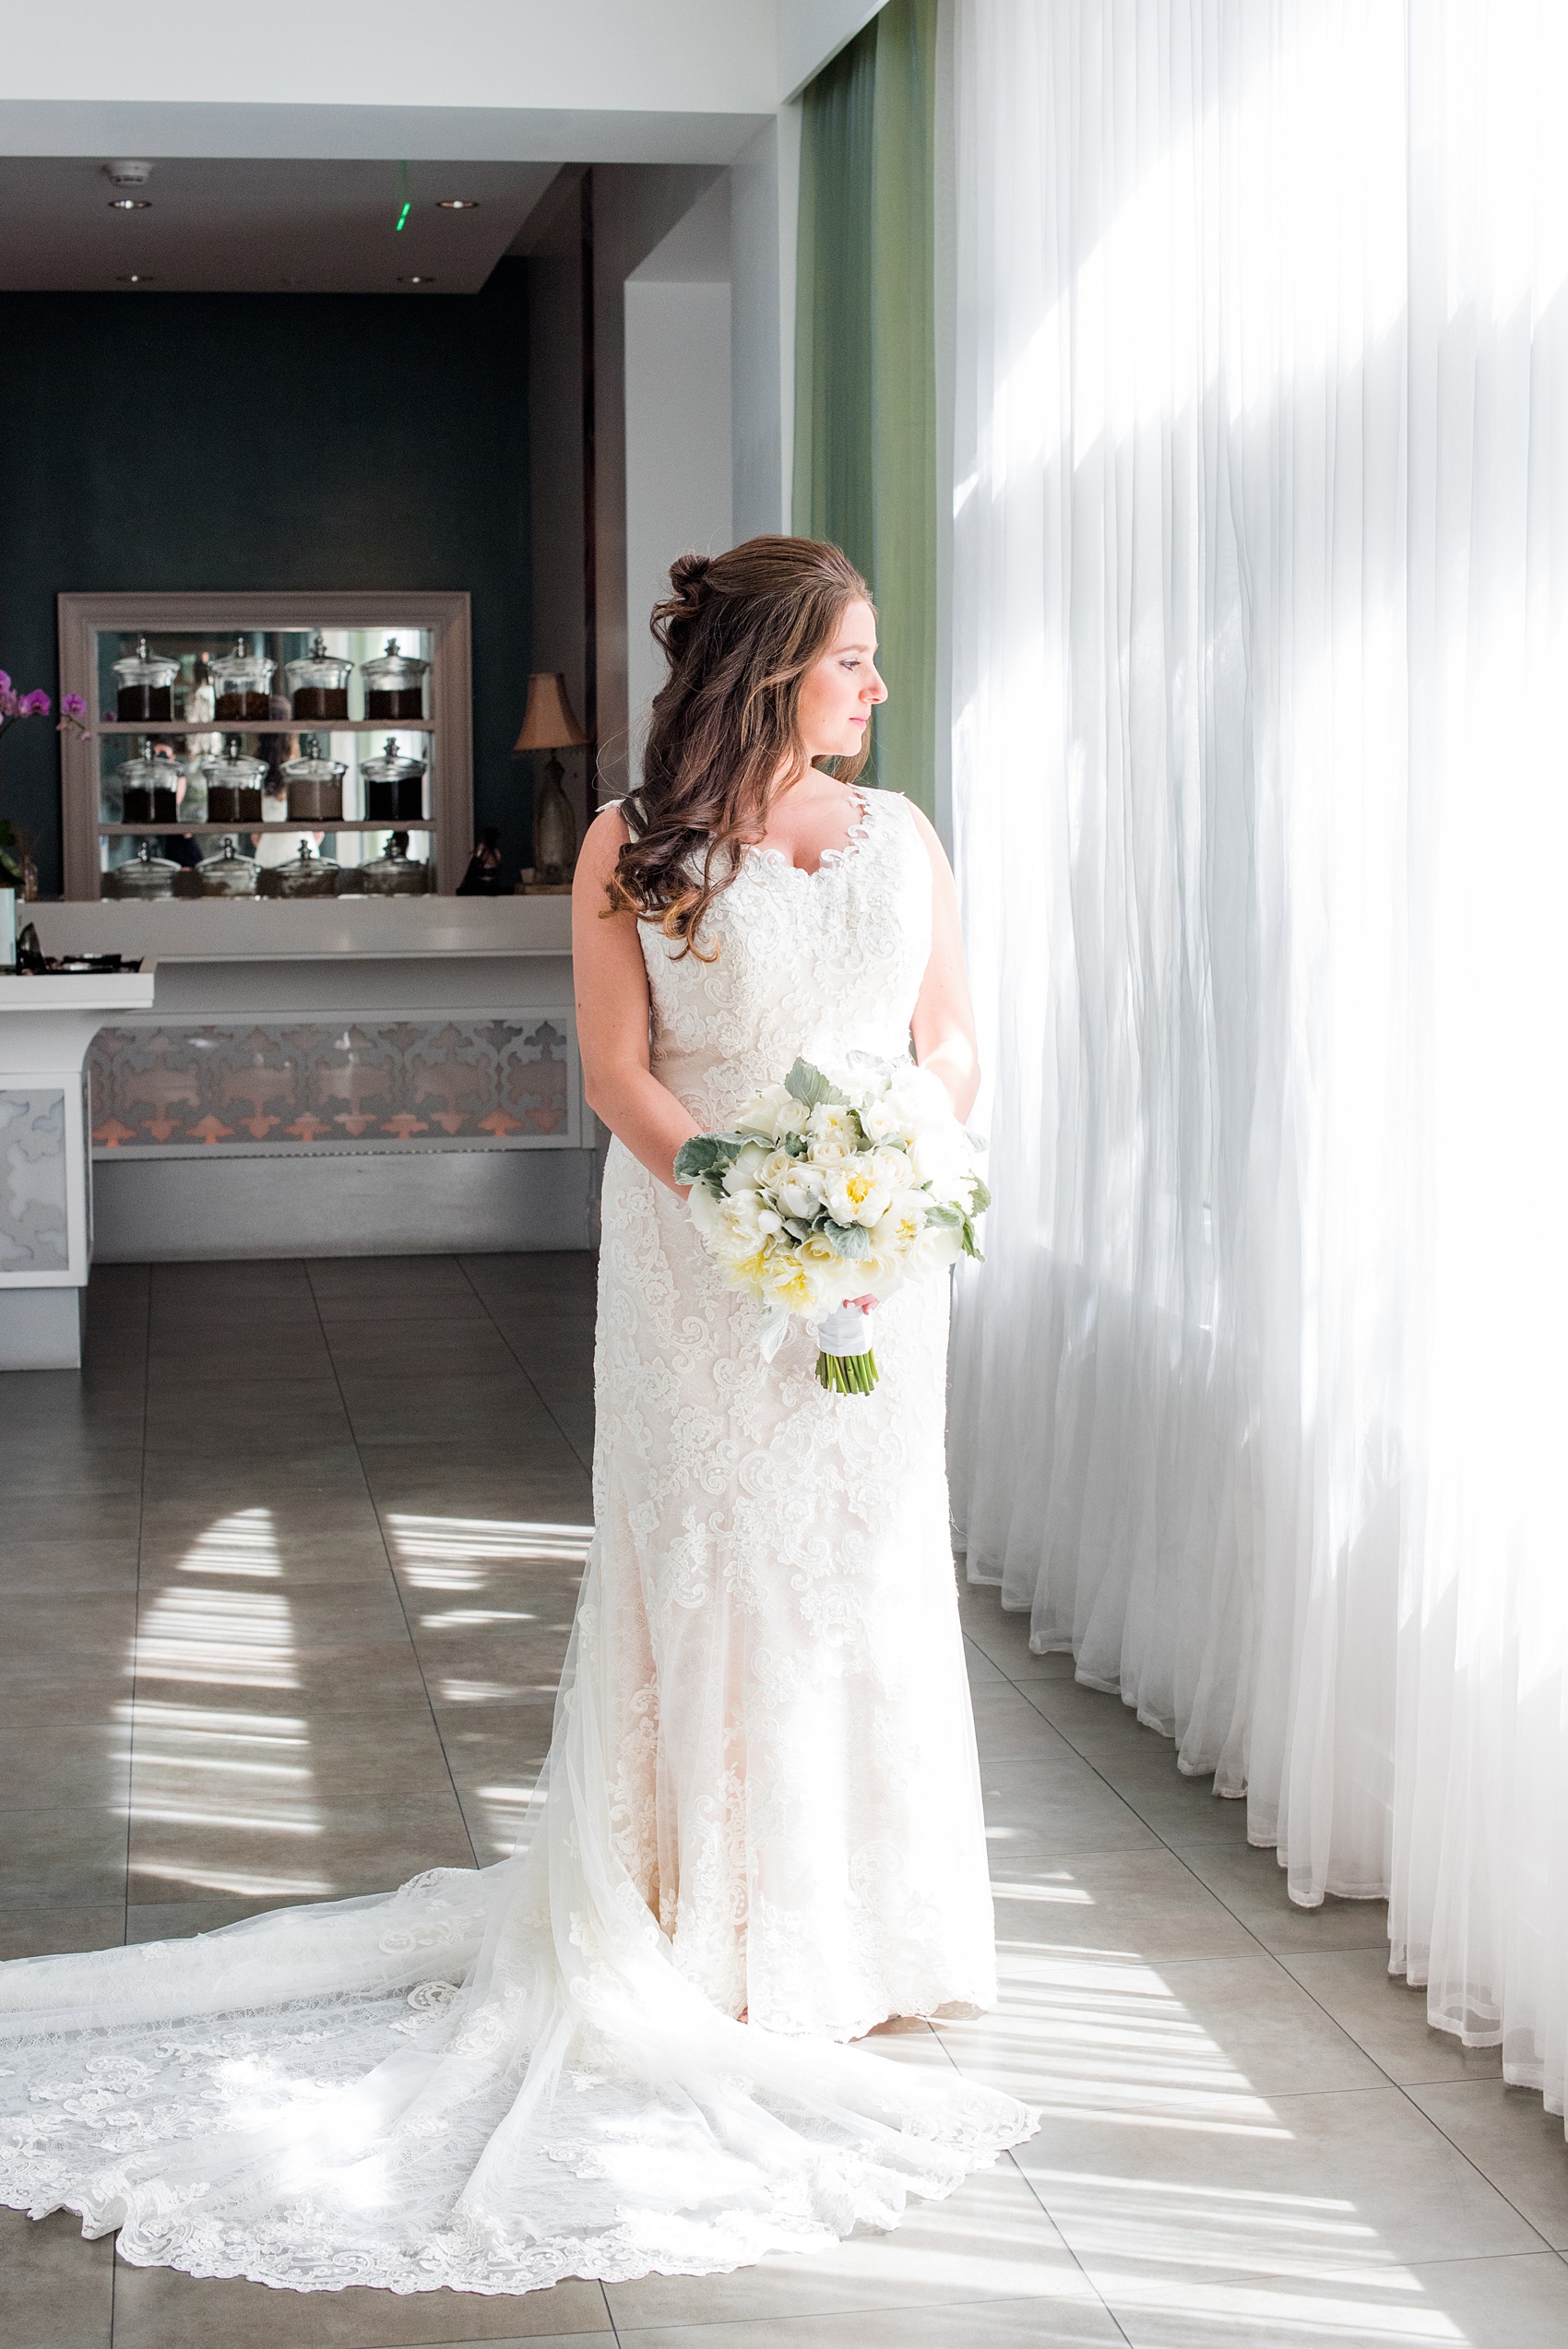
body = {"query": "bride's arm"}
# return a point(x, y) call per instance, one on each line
point(610, 983)
point(943, 1024)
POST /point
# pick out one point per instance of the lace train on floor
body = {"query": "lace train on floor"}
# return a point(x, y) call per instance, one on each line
point(485, 2080)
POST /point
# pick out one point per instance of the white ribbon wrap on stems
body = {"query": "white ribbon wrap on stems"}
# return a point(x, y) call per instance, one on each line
point(846, 1330)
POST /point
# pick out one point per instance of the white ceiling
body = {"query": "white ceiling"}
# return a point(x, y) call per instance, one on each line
point(247, 226)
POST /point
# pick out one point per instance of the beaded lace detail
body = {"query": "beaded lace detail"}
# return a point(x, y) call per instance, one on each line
point(762, 1795)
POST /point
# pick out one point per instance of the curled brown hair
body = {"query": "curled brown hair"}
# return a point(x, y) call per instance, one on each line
point(740, 632)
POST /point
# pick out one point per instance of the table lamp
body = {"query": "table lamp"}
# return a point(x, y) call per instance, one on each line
point(549, 725)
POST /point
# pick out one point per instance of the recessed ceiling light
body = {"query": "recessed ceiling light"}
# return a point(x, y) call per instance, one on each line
point(456, 204)
point(130, 204)
point(135, 279)
point(416, 282)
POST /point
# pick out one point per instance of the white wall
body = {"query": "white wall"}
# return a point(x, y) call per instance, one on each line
point(811, 31)
point(537, 55)
point(83, 76)
point(678, 459)
point(763, 198)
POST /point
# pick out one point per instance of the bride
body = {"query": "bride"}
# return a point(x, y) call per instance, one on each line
point(623, 2050)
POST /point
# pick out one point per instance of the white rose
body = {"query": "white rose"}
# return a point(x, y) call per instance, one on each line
point(884, 1119)
point(774, 1112)
point(794, 1187)
point(831, 1131)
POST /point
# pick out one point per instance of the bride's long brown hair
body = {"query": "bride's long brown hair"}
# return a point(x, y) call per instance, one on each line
point(740, 632)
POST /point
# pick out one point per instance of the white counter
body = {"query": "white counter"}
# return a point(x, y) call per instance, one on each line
point(351, 1076)
point(264, 929)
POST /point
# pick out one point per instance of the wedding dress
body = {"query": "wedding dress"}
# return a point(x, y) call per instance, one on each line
point(762, 1795)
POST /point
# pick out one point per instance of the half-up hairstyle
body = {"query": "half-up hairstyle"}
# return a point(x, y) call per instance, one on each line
point(740, 632)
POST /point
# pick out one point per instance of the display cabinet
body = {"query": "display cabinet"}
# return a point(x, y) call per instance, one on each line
point(303, 729)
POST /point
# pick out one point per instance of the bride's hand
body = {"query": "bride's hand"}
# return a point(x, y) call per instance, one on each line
point(866, 1303)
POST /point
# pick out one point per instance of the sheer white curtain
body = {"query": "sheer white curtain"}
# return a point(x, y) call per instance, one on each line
point(1254, 542)
point(1479, 1893)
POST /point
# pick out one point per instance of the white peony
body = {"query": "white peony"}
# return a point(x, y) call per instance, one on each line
point(746, 1172)
point(863, 1188)
point(901, 1227)
point(906, 1104)
point(740, 1232)
point(941, 1159)
point(807, 1280)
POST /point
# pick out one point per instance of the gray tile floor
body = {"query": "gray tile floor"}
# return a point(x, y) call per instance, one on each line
point(285, 1580)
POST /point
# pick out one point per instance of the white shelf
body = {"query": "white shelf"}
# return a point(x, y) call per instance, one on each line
point(252, 829)
point(260, 928)
point(264, 725)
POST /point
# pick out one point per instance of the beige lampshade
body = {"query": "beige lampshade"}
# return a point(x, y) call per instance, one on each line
point(549, 723)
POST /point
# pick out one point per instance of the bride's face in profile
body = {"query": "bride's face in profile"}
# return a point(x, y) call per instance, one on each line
point(839, 690)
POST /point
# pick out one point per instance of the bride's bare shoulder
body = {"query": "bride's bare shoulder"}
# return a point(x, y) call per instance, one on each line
point(602, 843)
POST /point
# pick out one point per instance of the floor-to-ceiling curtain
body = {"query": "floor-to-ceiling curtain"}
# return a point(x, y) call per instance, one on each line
point(865, 356)
point(1258, 671)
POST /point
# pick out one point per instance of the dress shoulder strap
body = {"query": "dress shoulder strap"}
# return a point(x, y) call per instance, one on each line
point(630, 811)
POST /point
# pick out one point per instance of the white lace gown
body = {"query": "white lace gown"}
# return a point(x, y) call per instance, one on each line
point(762, 1795)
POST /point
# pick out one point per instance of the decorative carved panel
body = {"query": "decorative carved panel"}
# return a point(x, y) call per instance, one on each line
point(33, 1219)
point(325, 1088)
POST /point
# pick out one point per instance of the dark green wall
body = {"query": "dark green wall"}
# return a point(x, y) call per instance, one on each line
point(214, 441)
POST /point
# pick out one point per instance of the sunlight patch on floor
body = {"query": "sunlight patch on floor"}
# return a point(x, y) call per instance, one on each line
point(222, 1774)
point(456, 1553)
point(243, 1544)
point(1102, 2043)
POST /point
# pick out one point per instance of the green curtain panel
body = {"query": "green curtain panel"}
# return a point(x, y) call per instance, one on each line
point(865, 356)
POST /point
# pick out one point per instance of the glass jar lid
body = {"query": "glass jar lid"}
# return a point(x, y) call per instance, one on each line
point(241, 666)
point(393, 764)
point(311, 767)
point(145, 768)
point(392, 668)
point(318, 667)
point(233, 766)
point(394, 857)
point(145, 875)
point(305, 866)
point(228, 870)
point(144, 668)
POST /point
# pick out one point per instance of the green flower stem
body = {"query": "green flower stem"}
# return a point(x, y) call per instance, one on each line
point(847, 1373)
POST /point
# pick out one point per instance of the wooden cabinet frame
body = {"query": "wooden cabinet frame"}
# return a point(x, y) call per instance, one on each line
point(445, 613)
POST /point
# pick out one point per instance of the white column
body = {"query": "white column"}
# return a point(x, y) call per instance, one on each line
point(46, 1026)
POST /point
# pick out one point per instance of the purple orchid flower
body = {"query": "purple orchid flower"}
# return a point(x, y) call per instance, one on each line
point(34, 705)
point(72, 705)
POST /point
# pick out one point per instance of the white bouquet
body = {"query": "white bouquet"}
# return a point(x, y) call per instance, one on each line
point(826, 1191)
